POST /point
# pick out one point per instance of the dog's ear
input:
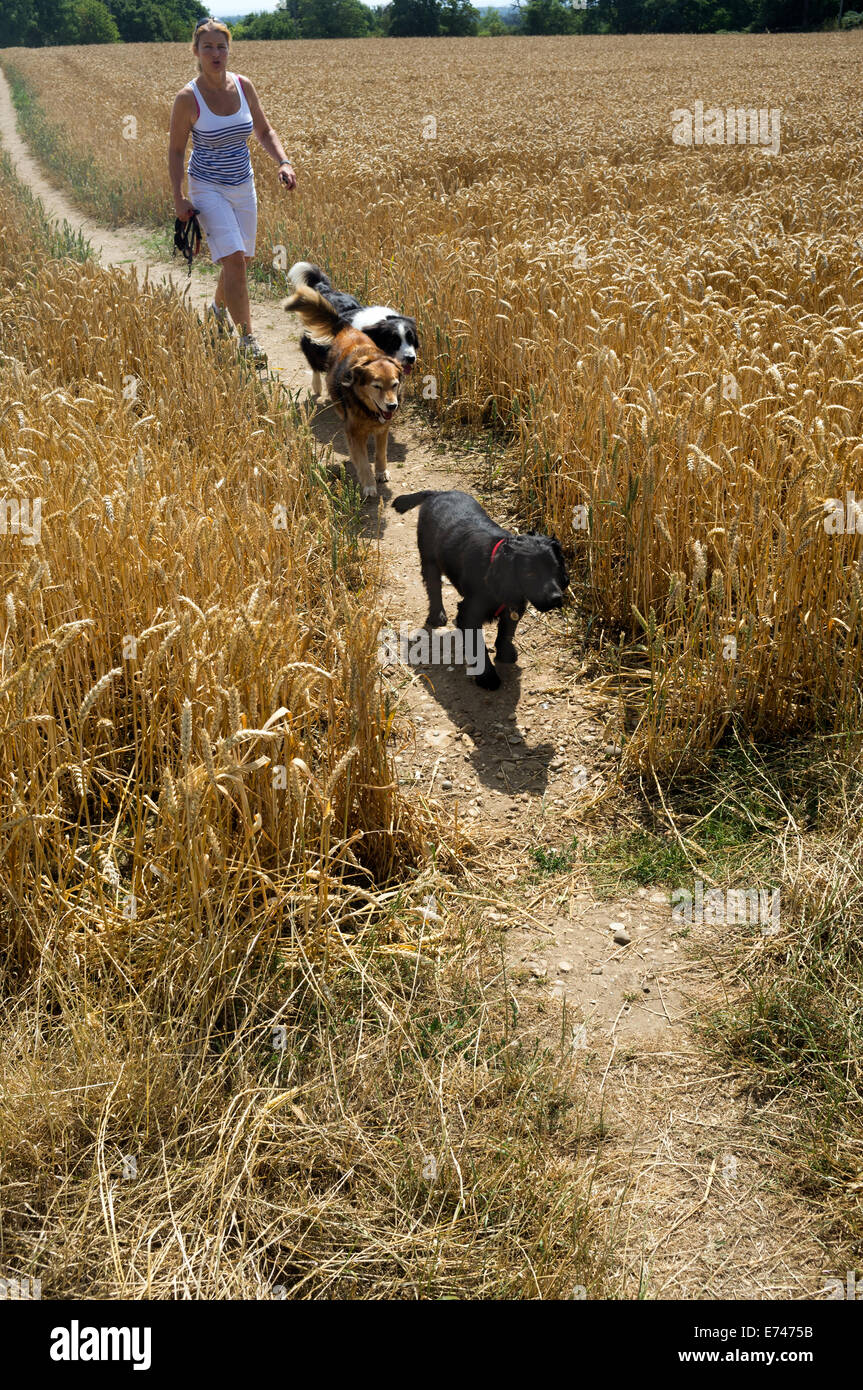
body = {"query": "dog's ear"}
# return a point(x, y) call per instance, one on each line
point(503, 574)
point(502, 555)
point(557, 548)
point(348, 378)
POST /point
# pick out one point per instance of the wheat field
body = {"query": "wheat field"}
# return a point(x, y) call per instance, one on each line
point(667, 338)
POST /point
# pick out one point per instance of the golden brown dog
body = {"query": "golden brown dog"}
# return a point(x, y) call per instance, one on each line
point(363, 383)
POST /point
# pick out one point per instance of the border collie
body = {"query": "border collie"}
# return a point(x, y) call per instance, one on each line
point(395, 334)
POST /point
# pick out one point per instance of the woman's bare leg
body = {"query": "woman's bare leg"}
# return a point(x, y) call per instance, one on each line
point(235, 290)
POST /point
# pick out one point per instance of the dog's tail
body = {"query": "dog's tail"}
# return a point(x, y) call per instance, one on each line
point(412, 499)
point(319, 317)
point(304, 273)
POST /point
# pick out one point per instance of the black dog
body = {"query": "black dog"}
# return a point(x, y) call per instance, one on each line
point(496, 573)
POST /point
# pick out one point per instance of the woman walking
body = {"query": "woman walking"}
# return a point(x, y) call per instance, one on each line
point(222, 110)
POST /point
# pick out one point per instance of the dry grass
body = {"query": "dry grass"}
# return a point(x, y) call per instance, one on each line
point(792, 1022)
point(397, 1140)
point(669, 337)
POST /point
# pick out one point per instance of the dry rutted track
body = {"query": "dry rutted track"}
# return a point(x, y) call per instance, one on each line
point(700, 1212)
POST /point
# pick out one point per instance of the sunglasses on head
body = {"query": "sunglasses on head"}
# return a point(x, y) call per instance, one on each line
point(201, 22)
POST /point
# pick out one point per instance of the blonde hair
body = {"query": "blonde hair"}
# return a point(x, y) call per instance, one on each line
point(205, 27)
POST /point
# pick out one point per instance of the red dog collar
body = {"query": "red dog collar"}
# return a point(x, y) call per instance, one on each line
point(497, 611)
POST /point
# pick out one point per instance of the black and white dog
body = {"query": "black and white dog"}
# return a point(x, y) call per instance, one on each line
point(496, 573)
point(394, 333)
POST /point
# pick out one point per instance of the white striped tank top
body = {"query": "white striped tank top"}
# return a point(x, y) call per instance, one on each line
point(220, 149)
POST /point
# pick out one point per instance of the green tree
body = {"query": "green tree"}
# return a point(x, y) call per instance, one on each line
point(19, 18)
point(278, 25)
point(333, 19)
point(310, 19)
point(492, 26)
point(156, 21)
point(406, 19)
point(458, 19)
point(550, 17)
point(94, 22)
point(794, 14)
point(35, 23)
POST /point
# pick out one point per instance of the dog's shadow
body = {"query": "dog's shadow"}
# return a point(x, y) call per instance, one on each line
point(328, 428)
point(475, 711)
point(470, 708)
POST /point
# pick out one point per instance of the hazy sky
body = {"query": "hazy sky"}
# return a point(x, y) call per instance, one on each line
point(244, 7)
point(249, 7)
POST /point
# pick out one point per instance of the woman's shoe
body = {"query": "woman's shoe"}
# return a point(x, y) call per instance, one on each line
point(251, 348)
point(220, 321)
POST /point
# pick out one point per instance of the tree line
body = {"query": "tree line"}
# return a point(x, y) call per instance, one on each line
point(34, 23)
point(38, 23)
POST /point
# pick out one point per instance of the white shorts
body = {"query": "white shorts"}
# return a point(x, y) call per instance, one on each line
point(228, 214)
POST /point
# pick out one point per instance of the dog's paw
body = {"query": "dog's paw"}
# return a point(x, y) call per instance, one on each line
point(437, 619)
point(506, 652)
point(383, 475)
point(369, 492)
point(489, 680)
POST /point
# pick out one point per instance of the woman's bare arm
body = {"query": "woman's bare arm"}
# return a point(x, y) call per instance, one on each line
point(182, 116)
point(265, 135)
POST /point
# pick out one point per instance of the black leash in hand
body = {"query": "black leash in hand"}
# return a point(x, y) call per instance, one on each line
point(187, 238)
